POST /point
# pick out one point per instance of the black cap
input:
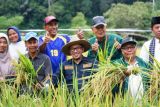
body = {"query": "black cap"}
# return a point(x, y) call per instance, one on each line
point(128, 40)
point(98, 20)
point(155, 20)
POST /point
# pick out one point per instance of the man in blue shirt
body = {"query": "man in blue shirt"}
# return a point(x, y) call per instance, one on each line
point(51, 43)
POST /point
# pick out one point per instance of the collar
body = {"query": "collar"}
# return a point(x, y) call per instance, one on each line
point(126, 63)
point(53, 38)
point(84, 59)
point(157, 40)
point(37, 55)
point(103, 38)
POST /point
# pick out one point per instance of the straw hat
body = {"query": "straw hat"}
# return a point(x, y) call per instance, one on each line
point(76, 41)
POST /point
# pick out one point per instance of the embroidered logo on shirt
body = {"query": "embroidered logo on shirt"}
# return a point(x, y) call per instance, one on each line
point(87, 65)
point(68, 67)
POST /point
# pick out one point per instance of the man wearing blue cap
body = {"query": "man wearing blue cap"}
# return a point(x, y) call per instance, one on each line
point(108, 44)
point(151, 49)
point(38, 59)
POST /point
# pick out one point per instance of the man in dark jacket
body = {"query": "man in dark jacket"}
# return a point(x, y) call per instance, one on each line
point(77, 67)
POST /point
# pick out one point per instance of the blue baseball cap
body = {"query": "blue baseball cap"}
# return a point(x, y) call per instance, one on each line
point(30, 35)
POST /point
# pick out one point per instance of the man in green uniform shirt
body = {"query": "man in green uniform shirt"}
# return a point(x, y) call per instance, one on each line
point(108, 44)
point(135, 81)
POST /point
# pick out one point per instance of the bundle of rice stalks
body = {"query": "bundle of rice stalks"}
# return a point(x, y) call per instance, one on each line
point(25, 71)
point(154, 90)
point(135, 70)
point(105, 79)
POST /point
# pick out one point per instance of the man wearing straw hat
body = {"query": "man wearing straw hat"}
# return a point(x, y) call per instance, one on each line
point(79, 66)
point(150, 51)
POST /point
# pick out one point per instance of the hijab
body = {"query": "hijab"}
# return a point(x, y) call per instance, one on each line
point(16, 30)
point(5, 59)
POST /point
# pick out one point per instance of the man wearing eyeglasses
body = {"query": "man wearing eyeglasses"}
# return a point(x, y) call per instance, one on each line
point(135, 80)
point(77, 67)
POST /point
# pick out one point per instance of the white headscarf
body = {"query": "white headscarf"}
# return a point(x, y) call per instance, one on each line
point(5, 59)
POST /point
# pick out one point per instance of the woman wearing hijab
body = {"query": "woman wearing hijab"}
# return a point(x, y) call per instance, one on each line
point(17, 46)
point(5, 58)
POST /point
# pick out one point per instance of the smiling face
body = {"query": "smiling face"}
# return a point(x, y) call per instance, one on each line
point(32, 45)
point(12, 35)
point(99, 31)
point(156, 30)
point(76, 51)
point(3, 45)
point(52, 28)
point(129, 51)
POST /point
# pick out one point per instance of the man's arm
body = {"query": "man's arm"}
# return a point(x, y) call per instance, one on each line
point(43, 42)
point(42, 47)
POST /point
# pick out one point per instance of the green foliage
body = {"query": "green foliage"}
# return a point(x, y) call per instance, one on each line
point(56, 8)
point(79, 21)
point(157, 5)
point(156, 13)
point(34, 11)
point(130, 16)
point(5, 22)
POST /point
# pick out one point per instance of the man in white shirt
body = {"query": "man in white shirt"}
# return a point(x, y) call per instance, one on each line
point(150, 51)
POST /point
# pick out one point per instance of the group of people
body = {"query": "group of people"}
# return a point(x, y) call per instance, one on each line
point(50, 51)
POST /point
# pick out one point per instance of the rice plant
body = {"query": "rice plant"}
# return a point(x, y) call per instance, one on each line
point(97, 92)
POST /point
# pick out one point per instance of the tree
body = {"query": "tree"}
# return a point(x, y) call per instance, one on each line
point(79, 21)
point(157, 4)
point(130, 16)
point(5, 22)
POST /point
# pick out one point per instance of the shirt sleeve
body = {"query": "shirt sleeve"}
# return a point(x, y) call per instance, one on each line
point(92, 54)
point(95, 65)
point(67, 37)
point(144, 53)
point(48, 65)
point(57, 76)
point(40, 42)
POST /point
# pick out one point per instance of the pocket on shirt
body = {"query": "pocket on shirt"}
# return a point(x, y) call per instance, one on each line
point(68, 75)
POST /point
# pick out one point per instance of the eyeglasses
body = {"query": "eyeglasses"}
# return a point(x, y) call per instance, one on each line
point(129, 47)
point(75, 48)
